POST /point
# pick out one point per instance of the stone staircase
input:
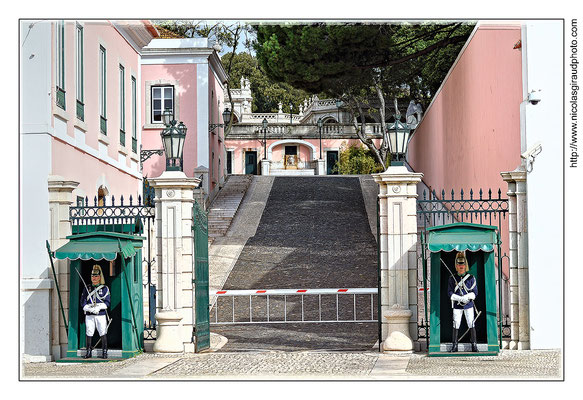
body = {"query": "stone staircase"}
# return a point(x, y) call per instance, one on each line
point(225, 205)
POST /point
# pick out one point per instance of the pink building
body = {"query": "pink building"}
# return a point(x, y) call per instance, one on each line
point(82, 140)
point(107, 84)
point(187, 77)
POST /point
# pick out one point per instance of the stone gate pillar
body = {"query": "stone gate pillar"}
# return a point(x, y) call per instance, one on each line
point(174, 311)
point(398, 256)
point(518, 248)
point(60, 200)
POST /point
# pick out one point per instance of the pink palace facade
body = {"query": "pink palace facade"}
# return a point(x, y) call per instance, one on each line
point(91, 97)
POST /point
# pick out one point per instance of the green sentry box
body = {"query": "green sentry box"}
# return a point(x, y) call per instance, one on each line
point(479, 242)
point(119, 256)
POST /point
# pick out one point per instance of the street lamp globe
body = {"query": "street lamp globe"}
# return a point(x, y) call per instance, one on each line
point(264, 123)
point(167, 116)
point(226, 116)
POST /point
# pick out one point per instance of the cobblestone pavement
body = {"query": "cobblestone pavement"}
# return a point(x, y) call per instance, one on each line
point(371, 365)
point(512, 364)
point(299, 337)
point(272, 364)
point(313, 233)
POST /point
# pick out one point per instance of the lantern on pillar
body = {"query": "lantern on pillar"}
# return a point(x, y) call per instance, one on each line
point(173, 137)
point(399, 136)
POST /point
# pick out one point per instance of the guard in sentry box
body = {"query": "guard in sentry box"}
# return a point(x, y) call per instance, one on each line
point(95, 301)
point(462, 290)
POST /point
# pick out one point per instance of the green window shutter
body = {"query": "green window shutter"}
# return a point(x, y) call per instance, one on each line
point(80, 74)
point(102, 89)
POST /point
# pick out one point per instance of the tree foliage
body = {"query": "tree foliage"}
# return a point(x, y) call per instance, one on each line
point(266, 92)
point(362, 64)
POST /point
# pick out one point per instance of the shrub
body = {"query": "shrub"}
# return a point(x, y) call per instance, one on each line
point(357, 160)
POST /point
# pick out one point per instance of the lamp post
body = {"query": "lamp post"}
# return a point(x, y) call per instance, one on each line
point(338, 104)
point(291, 106)
point(399, 135)
point(320, 124)
point(264, 124)
point(173, 136)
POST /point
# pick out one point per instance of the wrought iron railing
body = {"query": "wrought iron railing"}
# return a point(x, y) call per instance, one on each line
point(440, 210)
point(103, 217)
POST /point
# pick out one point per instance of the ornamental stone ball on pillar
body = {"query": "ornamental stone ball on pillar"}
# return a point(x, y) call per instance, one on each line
point(398, 259)
point(175, 309)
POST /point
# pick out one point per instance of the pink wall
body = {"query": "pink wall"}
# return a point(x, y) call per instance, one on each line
point(471, 132)
point(90, 172)
point(185, 92)
point(216, 139)
point(70, 162)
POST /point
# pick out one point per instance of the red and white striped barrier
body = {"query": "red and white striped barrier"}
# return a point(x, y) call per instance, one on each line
point(282, 292)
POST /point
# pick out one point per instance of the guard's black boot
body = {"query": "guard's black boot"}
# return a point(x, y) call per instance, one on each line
point(104, 346)
point(454, 341)
point(473, 340)
point(88, 345)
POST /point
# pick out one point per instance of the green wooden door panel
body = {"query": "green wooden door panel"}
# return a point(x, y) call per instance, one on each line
point(201, 277)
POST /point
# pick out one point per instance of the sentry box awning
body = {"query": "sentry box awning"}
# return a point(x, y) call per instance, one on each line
point(98, 246)
point(480, 242)
point(461, 237)
point(119, 256)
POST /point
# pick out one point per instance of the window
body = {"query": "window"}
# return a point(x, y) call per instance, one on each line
point(102, 89)
point(122, 107)
point(79, 74)
point(134, 116)
point(162, 99)
point(60, 63)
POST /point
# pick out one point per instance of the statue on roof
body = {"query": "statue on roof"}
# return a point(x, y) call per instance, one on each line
point(411, 111)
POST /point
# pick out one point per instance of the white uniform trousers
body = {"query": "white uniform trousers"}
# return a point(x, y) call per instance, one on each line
point(95, 320)
point(457, 317)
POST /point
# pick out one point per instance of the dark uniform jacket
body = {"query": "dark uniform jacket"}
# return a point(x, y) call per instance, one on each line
point(99, 294)
point(468, 286)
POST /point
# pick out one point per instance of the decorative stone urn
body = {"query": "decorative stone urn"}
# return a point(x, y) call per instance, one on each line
point(168, 332)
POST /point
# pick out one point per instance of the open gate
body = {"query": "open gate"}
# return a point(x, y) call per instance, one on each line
point(201, 330)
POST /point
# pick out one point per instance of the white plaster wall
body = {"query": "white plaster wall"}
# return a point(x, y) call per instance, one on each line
point(35, 166)
point(542, 46)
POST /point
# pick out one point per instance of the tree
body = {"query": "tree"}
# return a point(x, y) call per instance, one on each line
point(266, 92)
point(229, 35)
point(362, 64)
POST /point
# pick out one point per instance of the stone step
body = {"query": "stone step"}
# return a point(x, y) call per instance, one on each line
point(226, 204)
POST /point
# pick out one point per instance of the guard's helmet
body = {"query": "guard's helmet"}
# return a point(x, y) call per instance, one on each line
point(97, 271)
point(460, 258)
